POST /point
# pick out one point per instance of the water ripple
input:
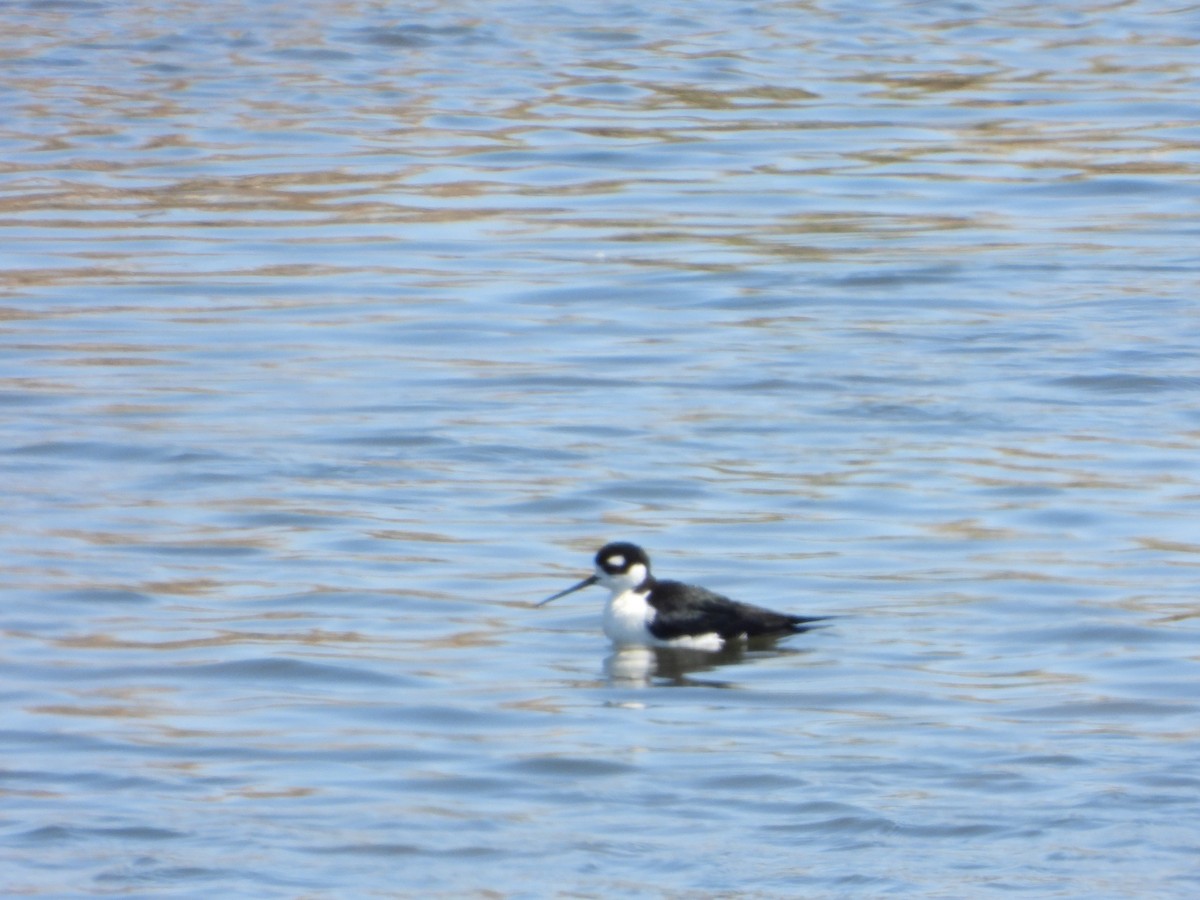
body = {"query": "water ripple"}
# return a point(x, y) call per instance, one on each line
point(333, 337)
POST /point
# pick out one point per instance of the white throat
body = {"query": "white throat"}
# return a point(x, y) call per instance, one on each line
point(626, 616)
point(621, 582)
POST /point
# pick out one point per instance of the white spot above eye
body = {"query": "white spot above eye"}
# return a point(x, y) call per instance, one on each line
point(616, 561)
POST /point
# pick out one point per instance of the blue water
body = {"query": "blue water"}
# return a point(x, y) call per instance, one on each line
point(334, 336)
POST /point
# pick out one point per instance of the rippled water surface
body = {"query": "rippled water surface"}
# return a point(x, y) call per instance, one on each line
point(334, 335)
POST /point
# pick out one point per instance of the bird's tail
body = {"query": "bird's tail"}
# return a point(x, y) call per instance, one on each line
point(808, 623)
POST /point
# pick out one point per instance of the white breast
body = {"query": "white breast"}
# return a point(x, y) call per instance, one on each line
point(625, 619)
point(626, 622)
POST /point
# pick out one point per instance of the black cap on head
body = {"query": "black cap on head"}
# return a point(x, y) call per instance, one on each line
point(621, 556)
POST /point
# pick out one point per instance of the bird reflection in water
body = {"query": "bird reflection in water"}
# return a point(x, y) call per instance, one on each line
point(679, 667)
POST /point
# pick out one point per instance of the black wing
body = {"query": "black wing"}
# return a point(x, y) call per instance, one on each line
point(685, 610)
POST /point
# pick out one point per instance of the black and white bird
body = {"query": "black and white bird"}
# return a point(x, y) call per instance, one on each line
point(645, 612)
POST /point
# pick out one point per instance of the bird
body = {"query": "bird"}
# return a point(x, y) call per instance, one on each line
point(643, 611)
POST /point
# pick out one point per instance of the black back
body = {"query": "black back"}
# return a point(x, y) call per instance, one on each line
point(685, 610)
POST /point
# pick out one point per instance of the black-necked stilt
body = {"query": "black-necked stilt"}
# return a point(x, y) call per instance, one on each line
point(645, 612)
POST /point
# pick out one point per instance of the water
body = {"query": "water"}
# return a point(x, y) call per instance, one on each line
point(335, 335)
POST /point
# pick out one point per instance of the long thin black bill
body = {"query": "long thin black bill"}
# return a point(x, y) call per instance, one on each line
point(587, 582)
